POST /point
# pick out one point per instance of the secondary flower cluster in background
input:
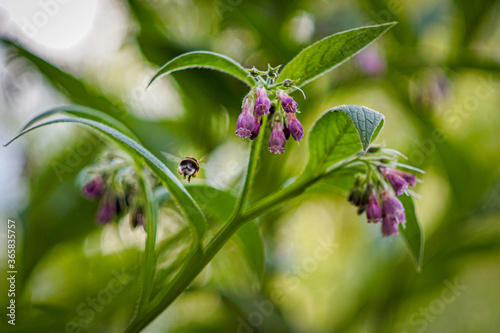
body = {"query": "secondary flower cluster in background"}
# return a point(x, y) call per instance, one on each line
point(375, 192)
point(113, 181)
point(275, 102)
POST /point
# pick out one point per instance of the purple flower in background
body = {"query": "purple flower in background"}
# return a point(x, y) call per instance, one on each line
point(295, 127)
point(373, 209)
point(371, 62)
point(107, 210)
point(288, 104)
point(256, 129)
point(399, 180)
point(262, 103)
point(393, 213)
point(93, 189)
point(246, 121)
point(277, 140)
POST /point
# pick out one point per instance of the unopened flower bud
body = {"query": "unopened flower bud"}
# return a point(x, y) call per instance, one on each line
point(246, 121)
point(137, 217)
point(373, 209)
point(355, 196)
point(411, 179)
point(295, 127)
point(287, 132)
point(399, 180)
point(107, 210)
point(393, 213)
point(93, 189)
point(262, 103)
point(277, 140)
point(373, 149)
point(288, 104)
point(256, 129)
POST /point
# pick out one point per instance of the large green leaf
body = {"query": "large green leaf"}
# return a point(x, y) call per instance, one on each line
point(183, 199)
point(326, 54)
point(341, 132)
point(205, 59)
point(412, 234)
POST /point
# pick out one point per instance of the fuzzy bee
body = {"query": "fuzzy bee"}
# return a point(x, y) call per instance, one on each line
point(188, 166)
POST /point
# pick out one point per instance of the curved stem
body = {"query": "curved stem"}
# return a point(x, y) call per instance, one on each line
point(199, 260)
point(149, 261)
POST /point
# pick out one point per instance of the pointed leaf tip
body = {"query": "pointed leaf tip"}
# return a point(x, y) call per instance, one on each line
point(341, 132)
point(330, 52)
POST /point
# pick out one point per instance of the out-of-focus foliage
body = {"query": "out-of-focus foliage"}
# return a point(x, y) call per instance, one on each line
point(434, 76)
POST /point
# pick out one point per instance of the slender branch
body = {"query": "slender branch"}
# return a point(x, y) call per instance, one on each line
point(251, 170)
point(151, 224)
point(149, 259)
point(198, 262)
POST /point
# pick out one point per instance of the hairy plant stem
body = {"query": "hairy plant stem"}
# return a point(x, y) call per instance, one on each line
point(198, 260)
point(251, 170)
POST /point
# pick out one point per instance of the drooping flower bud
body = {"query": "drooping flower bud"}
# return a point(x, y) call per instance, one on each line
point(398, 183)
point(137, 217)
point(286, 131)
point(262, 103)
point(107, 210)
point(288, 104)
point(256, 129)
point(295, 127)
point(410, 178)
point(355, 196)
point(277, 140)
point(389, 228)
point(93, 189)
point(373, 209)
point(246, 121)
point(393, 213)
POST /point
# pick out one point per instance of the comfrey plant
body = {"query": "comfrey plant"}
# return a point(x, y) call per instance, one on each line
point(339, 144)
point(375, 191)
point(113, 180)
point(282, 110)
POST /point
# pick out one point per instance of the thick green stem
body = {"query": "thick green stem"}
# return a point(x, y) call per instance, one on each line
point(198, 262)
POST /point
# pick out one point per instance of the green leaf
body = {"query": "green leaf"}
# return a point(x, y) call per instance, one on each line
point(76, 90)
point(412, 234)
point(249, 239)
point(328, 53)
point(83, 112)
point(183, 199)
point(341, 132)
point(205, 59)
point(215, 203)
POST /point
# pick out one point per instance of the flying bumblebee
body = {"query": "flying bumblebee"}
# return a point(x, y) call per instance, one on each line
point(188, 166)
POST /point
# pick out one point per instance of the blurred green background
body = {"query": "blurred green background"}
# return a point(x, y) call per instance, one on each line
point(435, 76)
